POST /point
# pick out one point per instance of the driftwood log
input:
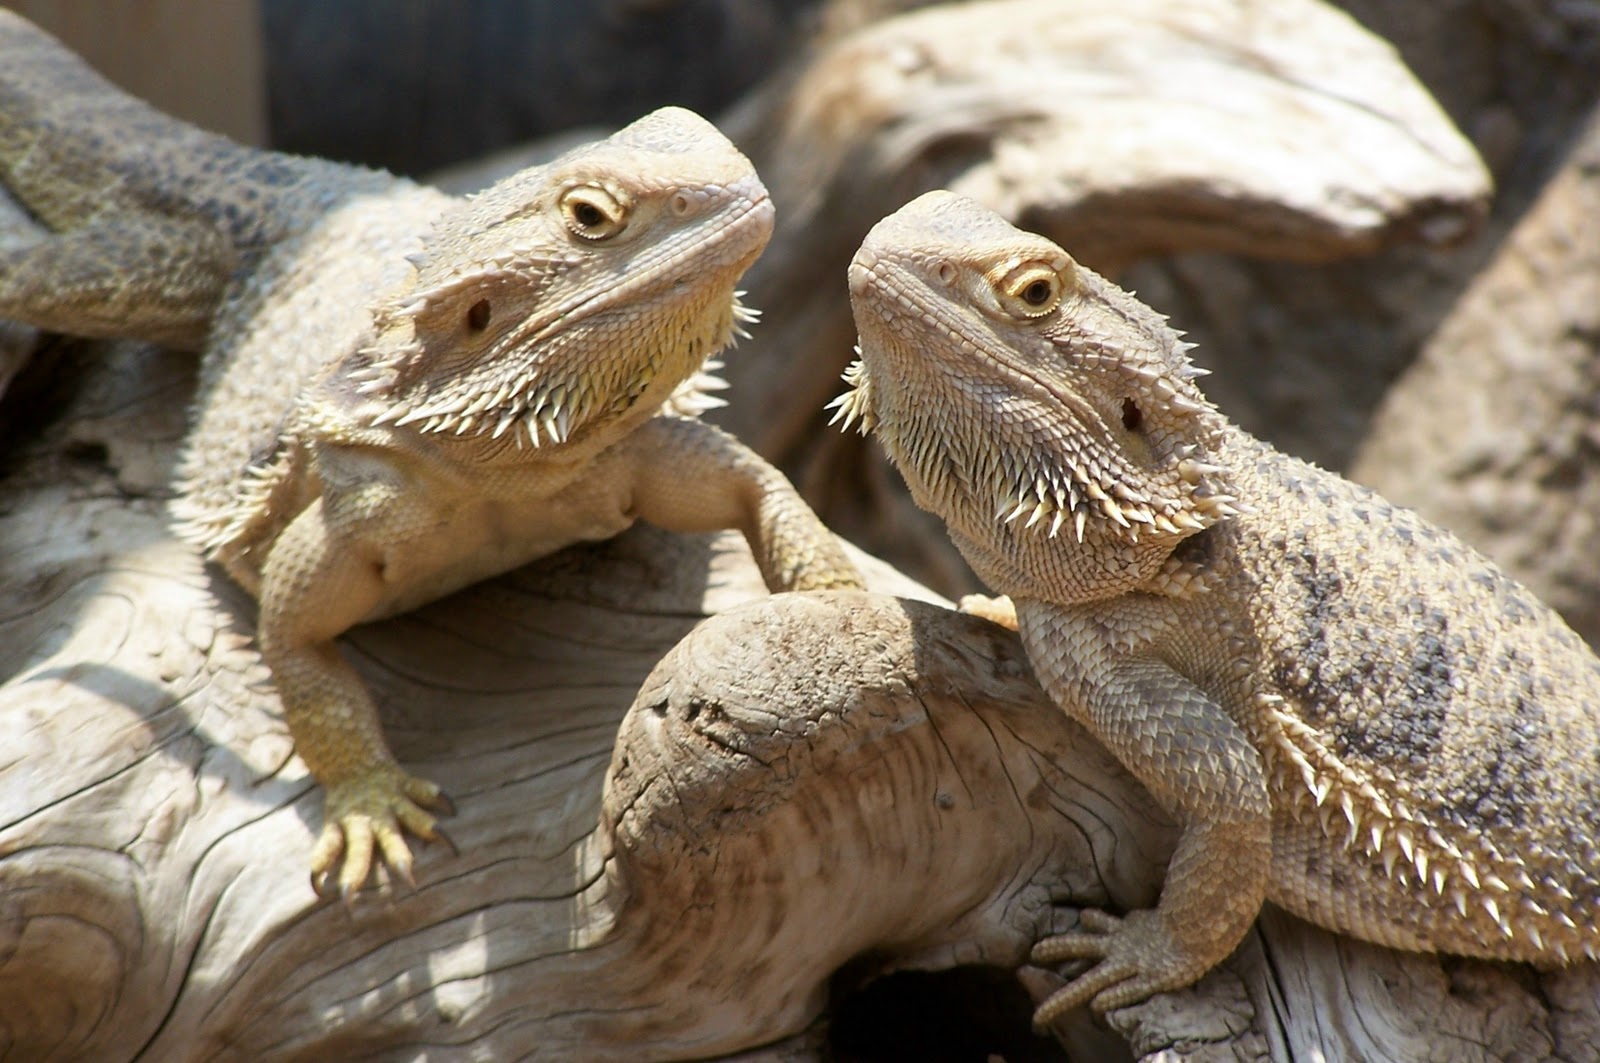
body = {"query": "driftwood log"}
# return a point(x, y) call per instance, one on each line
point(1303, 353)
point(17, 342)
point(679, 838)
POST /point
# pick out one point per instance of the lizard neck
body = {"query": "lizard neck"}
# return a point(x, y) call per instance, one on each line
point(1024, 555)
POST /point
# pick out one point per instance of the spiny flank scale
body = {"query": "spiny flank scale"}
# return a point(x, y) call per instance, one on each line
point(1349, 712)
point(402, 392)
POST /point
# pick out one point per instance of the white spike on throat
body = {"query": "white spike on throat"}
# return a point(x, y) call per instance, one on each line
point(854, 406)
point(545, 412)
point(1050, 499)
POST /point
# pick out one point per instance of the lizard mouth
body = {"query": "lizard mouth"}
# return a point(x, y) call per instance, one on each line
point(753, 212)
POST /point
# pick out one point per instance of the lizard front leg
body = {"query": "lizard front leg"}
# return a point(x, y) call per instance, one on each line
point(688, 476)
point(1202, 768)
point(324, 574)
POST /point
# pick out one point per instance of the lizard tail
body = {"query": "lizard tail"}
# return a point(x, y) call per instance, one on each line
point(114, 253)
point(140, 220)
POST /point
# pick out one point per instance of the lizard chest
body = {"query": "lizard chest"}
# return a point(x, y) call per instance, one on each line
point(434, 535)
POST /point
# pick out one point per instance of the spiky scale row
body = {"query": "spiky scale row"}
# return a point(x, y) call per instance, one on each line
point(1413, 849)
point(1076, 493)
point(255, 487)
point(743, 315)
point(1158, 382)
point(540, 408)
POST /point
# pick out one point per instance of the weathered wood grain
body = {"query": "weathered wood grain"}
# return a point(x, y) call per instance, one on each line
point(673, 830)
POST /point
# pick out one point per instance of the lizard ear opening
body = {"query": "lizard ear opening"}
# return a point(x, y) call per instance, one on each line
point(478, 315)
point(1132, 416)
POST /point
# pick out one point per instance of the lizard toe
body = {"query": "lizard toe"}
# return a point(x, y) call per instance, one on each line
point(1090, 943)
point(396, 854)
point(325, 858)
point(369, 817)
point(1092, 987)
point(358, 840)
point(428, 795)
point(412, 818)
point(996, 610)
point(1138, 957)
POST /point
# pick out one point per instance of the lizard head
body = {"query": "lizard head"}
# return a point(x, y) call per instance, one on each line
point(576, 296)
point(1046, 415)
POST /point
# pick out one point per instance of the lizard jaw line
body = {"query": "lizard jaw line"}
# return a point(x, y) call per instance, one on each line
point(591, 305)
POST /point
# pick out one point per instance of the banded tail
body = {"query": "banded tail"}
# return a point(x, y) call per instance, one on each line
point(146, 219)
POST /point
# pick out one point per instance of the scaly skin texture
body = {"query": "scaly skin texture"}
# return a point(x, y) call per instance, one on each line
point(402, 392)
point(1349, 712)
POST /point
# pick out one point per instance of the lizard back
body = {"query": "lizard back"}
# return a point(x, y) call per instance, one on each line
point(1450, 721)
point(307, 304)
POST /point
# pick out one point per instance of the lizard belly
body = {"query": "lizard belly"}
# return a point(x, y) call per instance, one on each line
point(480, 538)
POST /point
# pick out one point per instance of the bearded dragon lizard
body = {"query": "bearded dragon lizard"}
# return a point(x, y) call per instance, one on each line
point(402, 392)
point(1349, 713)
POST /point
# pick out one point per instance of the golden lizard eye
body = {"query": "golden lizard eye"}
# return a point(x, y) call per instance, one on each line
point(593, 213)
point(1031, 290)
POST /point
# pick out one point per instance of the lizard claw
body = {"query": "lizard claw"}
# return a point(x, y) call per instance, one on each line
point(1137, 958)
point(369, 815)
point(440, 802)
point(440, 836)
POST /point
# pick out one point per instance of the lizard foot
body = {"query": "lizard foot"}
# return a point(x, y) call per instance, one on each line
point(370, 812)
point(1137, 956)
point(997, 610)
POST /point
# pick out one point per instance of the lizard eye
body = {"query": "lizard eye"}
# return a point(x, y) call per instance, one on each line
point(593, 212)
point(1031, 290)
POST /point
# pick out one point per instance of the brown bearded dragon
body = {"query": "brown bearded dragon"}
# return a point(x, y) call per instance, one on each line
point(402, 392)
point(1349, 713)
